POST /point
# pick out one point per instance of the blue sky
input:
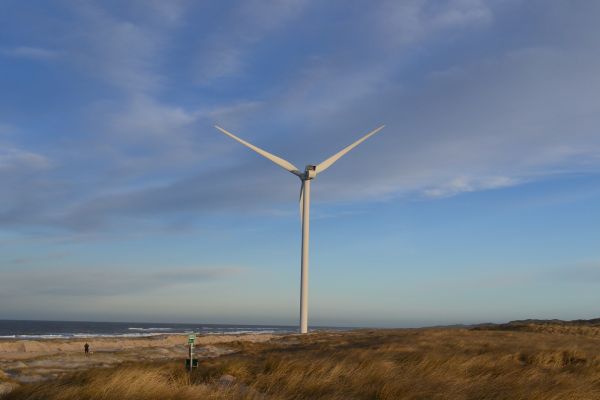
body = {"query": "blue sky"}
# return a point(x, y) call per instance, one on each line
point(478, 202)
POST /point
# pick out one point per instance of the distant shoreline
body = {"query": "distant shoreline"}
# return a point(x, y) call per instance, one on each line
point(53, 330)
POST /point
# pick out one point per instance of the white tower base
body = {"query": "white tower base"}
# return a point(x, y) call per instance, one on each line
point(304, 258)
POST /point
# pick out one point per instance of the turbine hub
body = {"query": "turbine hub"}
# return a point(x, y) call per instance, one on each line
point(310, 172)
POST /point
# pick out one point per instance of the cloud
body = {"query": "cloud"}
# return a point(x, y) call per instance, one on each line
point(144, 129)
point(142, 135)
point(47, 257)
point(123, 50)
point(20, 172)
point(193, 196)
point(109, 281)
point(234, 111)
point(6, 129)
point(406, 22)
point(33, 53)
point(12, 158)
point(160, 12)
point(30, 192)
point(145, 115)
point(222, 54)
point(499, 122)
point(464, 184)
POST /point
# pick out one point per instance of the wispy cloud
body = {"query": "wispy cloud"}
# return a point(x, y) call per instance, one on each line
point(6, 129)
point(406, 22)
point(123, 50)
point(34, 53)
point(464, 184)
point(12, 158)
point(107, 281)
point(46, 258)
point(223, 53)
point(127, 46)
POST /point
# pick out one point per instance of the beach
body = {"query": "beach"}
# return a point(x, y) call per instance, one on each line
point(524, 360)
point(26, 361)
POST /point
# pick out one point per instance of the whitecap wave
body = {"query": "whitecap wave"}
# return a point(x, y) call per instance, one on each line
point(150, 329)
point(242, 332)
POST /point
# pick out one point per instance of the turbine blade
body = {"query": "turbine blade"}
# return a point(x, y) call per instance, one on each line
point(301, 201)
point(329, 162)
point(288, 166)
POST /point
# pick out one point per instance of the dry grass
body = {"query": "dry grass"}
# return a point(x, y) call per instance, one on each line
point(396, 364)
point(163, 381)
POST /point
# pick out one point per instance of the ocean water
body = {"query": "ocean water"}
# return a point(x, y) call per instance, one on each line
point(81, 329)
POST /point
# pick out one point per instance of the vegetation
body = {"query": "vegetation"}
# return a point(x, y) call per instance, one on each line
point(380, 364)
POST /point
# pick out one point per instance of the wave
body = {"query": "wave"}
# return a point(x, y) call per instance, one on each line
point(109, 335)
point(89, 335)
point(243, 332)
point(143, 333)
point(150, 329)
point(45, 336)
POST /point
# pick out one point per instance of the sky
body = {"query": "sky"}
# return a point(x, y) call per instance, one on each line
point(479, 201)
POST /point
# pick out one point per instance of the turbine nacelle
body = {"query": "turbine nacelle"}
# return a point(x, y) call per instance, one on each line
point(310, 172)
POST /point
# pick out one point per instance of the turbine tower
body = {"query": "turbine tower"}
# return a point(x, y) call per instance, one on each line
point(310, 172)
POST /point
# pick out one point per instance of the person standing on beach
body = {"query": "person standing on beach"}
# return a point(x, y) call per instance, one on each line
point(86, 348)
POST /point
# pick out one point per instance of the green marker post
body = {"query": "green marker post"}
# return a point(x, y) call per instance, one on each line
point(191, 340)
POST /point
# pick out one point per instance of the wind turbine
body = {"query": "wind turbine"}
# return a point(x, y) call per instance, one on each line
point(310, 172)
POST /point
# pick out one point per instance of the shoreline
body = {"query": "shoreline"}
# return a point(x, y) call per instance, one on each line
point(26, 361)
point(90, 336)
point(29, 348)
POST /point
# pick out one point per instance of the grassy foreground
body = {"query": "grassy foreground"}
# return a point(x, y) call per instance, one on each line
point(536, 363)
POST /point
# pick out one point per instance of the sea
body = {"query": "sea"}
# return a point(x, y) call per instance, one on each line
point(82, 329)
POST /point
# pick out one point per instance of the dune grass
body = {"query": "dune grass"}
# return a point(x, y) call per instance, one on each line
point(394, 364)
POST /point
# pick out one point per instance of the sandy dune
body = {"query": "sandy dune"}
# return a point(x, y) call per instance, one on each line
point(24, 349)
point(34, 360)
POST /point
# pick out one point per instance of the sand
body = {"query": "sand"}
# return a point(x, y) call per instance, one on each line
point(23, 361)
